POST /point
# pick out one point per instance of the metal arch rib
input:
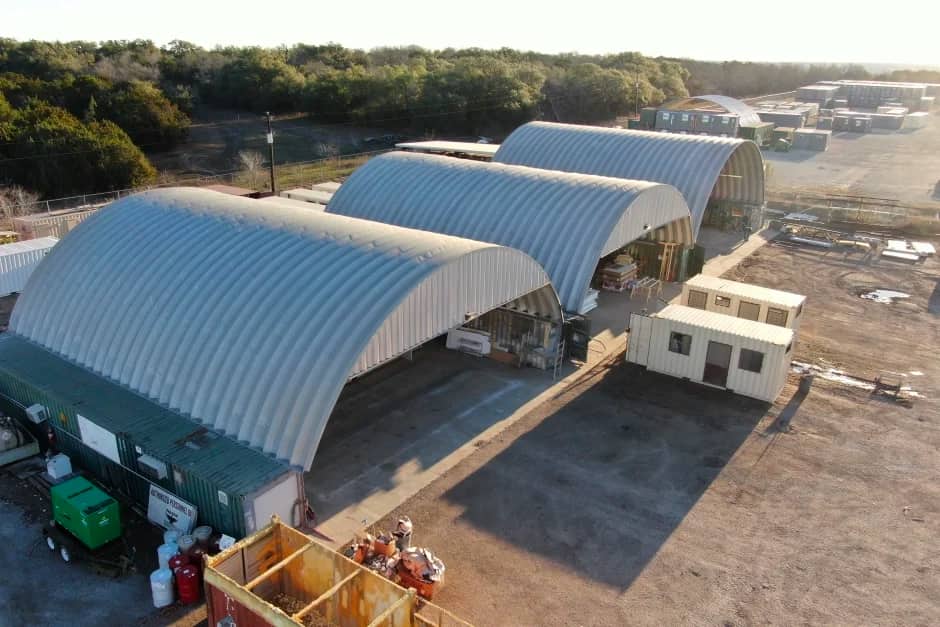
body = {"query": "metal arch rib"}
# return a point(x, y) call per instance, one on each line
point(248, 316)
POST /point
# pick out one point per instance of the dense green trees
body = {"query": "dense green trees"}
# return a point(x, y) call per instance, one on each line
point(98, 100)
point(46, 148)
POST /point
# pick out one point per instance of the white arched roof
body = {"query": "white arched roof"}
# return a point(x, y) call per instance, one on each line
point(747, 115)
point(564, 221)
point(249, 316)
point(699, 166)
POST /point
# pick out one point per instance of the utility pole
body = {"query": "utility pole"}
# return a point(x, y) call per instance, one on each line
point(271, 146)
point(636, 99)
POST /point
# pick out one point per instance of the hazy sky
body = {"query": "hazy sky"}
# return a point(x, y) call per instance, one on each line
point(787, 30)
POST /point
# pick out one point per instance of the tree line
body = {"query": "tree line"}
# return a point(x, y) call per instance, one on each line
point(77, 117)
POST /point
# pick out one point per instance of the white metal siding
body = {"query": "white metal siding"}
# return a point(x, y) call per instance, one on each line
point(248, 316)
point(764, 386)
point(641, 329)
point(701, 167)
point(737, 292)
point(566, 222)
point(18, 260)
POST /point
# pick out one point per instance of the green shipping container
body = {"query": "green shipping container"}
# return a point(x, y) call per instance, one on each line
point(86, 512)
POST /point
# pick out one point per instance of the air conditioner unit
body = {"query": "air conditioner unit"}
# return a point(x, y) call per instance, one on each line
point(151, 467)
point(36, 413)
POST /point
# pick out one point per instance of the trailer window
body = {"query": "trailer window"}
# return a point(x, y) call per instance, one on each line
point(752, 361)
point(750, 311)
point(697, 299)
point(722, 301)
point(777, 316)
point(680, 343)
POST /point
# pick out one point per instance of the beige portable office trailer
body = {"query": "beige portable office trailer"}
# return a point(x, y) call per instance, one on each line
point(746, 357)
point(742, 300)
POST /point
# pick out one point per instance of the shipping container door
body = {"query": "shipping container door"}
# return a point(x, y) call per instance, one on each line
point(717, 363)
point(638, 348)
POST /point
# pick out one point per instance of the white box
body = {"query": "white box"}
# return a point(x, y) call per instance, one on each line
point(59, 466)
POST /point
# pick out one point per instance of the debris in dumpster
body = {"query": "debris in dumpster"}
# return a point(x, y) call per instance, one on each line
point(290, 606)
point(392, 556)
point(422, 564)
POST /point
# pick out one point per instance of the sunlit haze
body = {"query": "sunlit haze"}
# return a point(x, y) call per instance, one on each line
point(797, 31)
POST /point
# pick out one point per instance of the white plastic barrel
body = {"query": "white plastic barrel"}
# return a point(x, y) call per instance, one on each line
point(161, 587)
point(165, 552)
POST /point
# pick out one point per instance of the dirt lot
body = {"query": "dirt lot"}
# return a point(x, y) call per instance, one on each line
point(213, 146)
point(901, 165)
point(634, 498)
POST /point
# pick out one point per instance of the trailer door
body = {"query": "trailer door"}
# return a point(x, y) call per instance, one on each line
point(717, 363)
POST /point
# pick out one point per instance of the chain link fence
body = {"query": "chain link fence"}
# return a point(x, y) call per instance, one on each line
point(299, 174)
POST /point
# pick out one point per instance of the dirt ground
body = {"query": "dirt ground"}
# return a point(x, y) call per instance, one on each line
point(638, 499)
point(902, 165)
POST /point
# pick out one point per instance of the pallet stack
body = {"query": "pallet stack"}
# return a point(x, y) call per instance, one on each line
point(616, 277)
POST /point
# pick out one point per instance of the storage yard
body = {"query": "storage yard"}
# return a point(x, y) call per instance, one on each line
point(903, 165)
point(479, 340)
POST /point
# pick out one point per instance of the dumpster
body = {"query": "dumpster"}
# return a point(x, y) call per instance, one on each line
point(282, 577)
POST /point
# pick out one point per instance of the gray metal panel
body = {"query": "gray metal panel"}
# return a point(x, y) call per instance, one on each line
point(251, 316)
point(564, 221)
point(701, 167)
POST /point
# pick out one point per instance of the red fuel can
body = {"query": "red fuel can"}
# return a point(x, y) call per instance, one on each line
point(187, 584)
point(177, 561)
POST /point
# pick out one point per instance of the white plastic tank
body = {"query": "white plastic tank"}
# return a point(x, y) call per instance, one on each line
point(170, 536)
point(165, 552)
point(161, 586)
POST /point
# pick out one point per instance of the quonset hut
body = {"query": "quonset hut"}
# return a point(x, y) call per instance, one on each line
point(196, 342)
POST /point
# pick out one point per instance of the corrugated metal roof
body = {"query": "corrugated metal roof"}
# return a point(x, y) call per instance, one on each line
point(39, 243)
point(447, 147)
point(250, 317)
point(723, 323)
point(231, 466)
point(564, 221)
point(746, 290)
point(699, 166)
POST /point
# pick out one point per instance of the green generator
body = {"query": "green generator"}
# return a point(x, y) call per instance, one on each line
point(86, 512)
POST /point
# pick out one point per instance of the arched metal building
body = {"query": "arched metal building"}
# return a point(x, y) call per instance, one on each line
point(703, 168)
point(566, 222)
point(250, 317)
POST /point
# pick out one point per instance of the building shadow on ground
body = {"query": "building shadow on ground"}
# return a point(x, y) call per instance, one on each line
point(599, 485)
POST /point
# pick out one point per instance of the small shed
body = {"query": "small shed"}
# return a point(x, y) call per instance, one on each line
point(19, 259)
point(743, 300)
point(745, 357)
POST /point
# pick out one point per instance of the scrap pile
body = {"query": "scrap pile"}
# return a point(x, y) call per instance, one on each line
point(392, 556)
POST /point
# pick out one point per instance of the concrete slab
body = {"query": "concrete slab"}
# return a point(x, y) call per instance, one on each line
point(394, 432)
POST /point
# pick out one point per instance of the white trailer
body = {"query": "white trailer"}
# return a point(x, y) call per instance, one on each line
point(18, 260)
point(748, 358)
point(743, 300)
point(308, 195)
